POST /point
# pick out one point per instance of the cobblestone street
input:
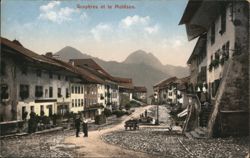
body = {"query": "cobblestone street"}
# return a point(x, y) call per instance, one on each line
point(44, 145)
point(159, 143)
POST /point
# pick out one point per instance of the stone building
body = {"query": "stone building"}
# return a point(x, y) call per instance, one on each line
point(140, 93)
point(108, 91)
point(31, 82)
point(166, 91)
point(226, 25)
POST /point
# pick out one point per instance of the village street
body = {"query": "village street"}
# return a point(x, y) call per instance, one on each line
point(114, 141)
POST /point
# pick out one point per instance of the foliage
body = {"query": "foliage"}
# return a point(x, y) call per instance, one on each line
point(134, 103)
point(127, 106)
point(120, 113)
point(214, 64)
point(107, 112)
point(100, 119)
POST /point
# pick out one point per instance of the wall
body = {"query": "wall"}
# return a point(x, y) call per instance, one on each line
point(33, 80)
point(220, 40)
point(8, 105)
point(230, 115)
point(101, 93)
point(76, 96)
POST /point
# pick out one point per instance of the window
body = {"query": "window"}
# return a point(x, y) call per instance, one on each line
point(4, 91)
point(85, 101)
point(212, 33)
point(24, 91)
point(81, 102)
point(51, 92)
point(164, 96)
point(227, 50)
point(67, 93)
point(215, 86)
point(72, 89)
point(3, 68)
point(73, 103)
point(59, 92)
point(59, 77)
point(31, 108)
point(46, 93)
point(216, 55)
point(38, 73)
point(24, 69)
point(81, 89)
point(50, 75)
point(170, 94)
point(41, 110)
point(39, 91)
point(76, 89)
point(223, 20)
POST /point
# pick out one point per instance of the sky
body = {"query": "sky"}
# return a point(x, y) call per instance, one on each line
point(107, 33)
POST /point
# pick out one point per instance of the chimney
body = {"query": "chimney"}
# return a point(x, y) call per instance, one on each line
point(17, 42)
point(49, 54)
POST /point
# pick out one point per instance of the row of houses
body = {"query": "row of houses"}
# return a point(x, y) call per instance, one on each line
point(217, 89)
point(219, 65)
point(46, 85)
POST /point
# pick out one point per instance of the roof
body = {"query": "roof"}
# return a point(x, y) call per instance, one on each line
point(83, 72)
point(17, 47)
point(124, 82)
point(165, 82)
point(190, 10)
point(96, 69)
point(183, 83)
point(199, 15)
point(140, 89)
point(200, 44)
point(91, 64)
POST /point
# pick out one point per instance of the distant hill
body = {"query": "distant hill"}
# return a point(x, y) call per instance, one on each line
point(144, 68)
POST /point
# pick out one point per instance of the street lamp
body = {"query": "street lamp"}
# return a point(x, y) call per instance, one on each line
point(157, 111)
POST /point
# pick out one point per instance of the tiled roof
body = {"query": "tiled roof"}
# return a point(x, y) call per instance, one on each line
point(124, 82)
point(96, 69)
point(165, 82)
point(140, 89)
point(91, 64)
point(17, 47)
point(183, 83)
point(83, 72)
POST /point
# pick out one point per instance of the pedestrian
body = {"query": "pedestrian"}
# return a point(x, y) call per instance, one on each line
point(77, 125)
point(85, 128)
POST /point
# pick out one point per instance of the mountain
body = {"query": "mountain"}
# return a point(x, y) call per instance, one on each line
point(71, 53)
point(144, 68)
point(141, 56)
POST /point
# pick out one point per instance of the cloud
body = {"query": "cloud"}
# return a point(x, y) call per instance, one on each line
point(101, 31)
point(152, 29)
point(83, 16)
point(49, 6)
point(54, 13)
point(134, 20)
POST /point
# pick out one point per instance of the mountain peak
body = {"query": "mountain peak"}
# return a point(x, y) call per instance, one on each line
point(69, 52)
point(142, 57)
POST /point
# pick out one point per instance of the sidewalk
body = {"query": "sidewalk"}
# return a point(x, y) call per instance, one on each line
point(38, 132)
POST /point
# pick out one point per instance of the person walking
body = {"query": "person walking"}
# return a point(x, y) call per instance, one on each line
point(85, 128)
point(77, 125)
